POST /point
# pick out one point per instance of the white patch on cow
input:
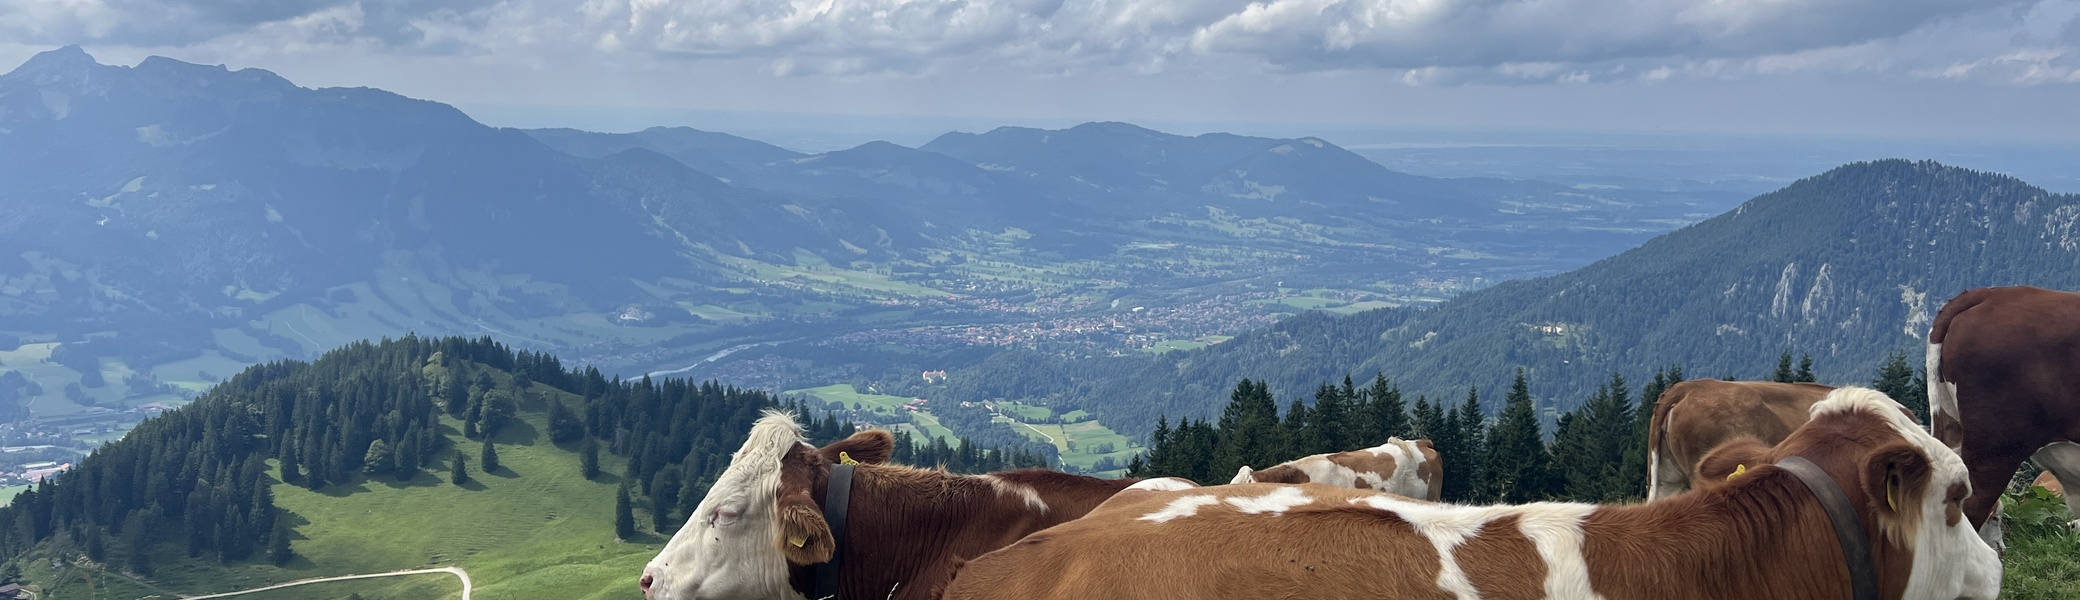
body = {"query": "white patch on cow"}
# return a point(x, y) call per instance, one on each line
point(1406, 479)
point(728, 549)
point(1556, 529)
point(1163, 484)
point(1183, 506)
point(1023, 491)
point(1276, 503)
point(1242, 476)
point(1320, 469)
point(1942, 394)
point(1446, 526)
point(1950, 561)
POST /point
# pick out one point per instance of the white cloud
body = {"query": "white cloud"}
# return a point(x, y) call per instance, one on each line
point(1418, 42)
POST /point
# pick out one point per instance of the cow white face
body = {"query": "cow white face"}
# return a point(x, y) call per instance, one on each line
point(1919, 489)
point(1950, 559)
point(727, 550)
point(759, 519)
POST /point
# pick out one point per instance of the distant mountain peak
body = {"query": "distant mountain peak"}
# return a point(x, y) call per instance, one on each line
point(50, 64)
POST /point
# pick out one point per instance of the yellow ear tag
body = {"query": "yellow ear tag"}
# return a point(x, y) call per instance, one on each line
point(1892, 493)
point(844, 458)
point(1737, 471)
point(798, 540)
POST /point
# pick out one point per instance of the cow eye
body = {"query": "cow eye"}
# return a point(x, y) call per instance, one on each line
point(722, 517)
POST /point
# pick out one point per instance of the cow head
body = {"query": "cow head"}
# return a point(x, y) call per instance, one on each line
point(1908, 488)
point(760, 518)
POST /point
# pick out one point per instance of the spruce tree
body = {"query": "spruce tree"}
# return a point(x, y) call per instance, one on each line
point(1516, 460)
point(488, 458)
point(1784, 374)
point(377, 459)
point(291, 473)
point(1387, 413)
point(137, 542)
point(1897, 378)
point(278, 550)
point(458, 469)
point(1294, 433)
point(1805, 370)
point(588, 457)
point(664, 494)
point(1330, 421)
point(1248, 427)
point(624, 514)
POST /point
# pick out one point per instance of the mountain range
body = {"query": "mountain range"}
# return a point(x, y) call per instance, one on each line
point(167, 223)
point(1844, 267)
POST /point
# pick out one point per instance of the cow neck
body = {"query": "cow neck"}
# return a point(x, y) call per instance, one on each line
point(1848, 528)
point(837, 506)
point(1756, 539)
point(918, 523)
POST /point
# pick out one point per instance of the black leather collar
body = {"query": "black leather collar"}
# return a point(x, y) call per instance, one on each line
point(1848, 528)
point(837, 501)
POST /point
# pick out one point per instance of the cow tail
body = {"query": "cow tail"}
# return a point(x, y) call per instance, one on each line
point(1655, 432)
point(1942, 393)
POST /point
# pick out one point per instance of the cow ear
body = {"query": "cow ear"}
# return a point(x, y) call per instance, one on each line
point(1243, 475)
point(1735, 456)
point(872, 447)
point(1424, 443)
point(1892, 476)
point(804, 538)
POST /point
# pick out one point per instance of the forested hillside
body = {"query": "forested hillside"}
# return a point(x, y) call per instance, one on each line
point(1845, 266)
point(371, 424)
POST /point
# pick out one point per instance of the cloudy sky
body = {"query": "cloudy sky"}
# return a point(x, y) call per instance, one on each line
point(1989, 69)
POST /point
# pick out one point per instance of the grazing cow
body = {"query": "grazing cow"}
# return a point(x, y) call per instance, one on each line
point(1767, 534)
point(1693, 417)
point(2004, 384)
point(762, 528)
point(1397, 467)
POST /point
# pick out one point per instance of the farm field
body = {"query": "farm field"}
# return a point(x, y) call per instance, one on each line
point(920, 423)
point(1082, 443)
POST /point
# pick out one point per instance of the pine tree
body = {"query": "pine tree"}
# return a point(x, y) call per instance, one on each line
point(1329, 421)
point(1896, 378)
point(624, 514)
point(1468, 441)
point(1295, 433)
point(1784, 373)
point(488, 458)
point(1248, 427)
point(1516, 460)
point(1805, 370)
point(563, 426)
point(588, 457)
point(291, 473)
point(97, 547)
point(137, 542)
point(377, 459)
point(1387, 413)
point(664, 494)
point(458, 469)
point(278, 550)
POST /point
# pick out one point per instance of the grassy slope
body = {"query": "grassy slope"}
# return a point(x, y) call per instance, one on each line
point(532, 530)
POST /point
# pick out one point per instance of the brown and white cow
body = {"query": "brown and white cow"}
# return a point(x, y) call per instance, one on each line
point(761, 528)
point(1407, 468)
point(2004, 384)
point(1763, 535)
point(1693, 417)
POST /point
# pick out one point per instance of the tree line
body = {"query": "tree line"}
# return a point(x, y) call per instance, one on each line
point(1595, 453)
point(199, 477)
